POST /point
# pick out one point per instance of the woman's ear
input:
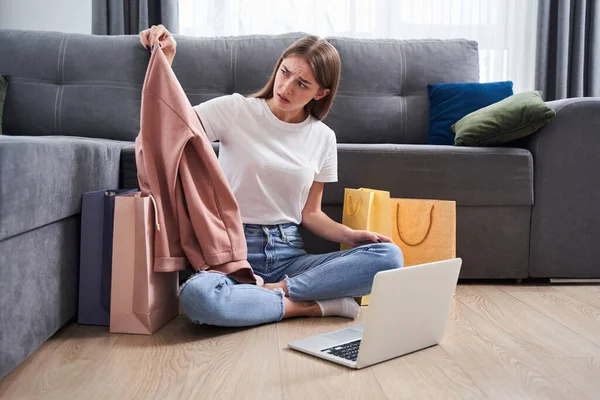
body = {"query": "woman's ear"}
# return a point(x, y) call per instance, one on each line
point(322, 93)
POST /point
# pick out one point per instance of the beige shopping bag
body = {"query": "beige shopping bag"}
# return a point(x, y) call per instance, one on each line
point(142, 301)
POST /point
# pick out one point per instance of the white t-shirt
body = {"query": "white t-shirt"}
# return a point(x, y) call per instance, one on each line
point(270, 164)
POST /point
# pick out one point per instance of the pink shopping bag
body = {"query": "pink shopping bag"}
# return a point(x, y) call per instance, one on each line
point(142, 301)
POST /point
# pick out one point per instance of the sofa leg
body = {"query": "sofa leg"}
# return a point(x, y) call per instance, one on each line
point(519, 281)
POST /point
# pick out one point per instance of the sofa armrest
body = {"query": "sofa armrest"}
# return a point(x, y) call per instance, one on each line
point(42, 178)
point(576, 119)
point(566, 213)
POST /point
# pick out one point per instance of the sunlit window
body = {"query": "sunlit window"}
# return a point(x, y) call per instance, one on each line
point(504, 29)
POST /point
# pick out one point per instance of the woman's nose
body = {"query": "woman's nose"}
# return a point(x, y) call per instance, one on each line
point(286, 86)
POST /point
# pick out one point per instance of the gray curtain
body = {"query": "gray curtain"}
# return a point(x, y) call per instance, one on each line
point(568, 50)
point(130, 17)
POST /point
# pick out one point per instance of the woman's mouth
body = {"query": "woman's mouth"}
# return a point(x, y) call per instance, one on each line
point(283, 99)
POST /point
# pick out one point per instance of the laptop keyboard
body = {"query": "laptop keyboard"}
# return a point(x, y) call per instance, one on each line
point(349, 350)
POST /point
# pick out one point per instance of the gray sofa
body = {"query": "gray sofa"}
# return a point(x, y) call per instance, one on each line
point(72, 113)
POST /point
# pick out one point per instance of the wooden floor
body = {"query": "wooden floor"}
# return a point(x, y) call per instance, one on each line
point(502, 342)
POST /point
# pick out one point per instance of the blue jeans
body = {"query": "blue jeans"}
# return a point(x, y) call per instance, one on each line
point(276, 253)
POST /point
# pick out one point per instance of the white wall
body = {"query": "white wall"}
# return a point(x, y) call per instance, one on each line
point(70, 16)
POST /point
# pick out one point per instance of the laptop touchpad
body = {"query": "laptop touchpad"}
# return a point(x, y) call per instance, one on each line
point(345, 335)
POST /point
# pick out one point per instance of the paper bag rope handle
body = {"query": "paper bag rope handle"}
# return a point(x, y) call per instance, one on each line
point(348, 201)
point(426, 233)
point(155, 212)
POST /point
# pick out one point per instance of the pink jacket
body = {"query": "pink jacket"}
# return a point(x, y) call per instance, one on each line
point(198, 220)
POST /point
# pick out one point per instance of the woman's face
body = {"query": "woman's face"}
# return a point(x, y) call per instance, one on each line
point(295, 85)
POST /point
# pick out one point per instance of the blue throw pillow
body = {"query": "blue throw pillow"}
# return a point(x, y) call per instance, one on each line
point(449, 102)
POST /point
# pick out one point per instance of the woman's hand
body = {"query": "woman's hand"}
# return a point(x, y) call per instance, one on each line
point(158, 35)
point(259, 281)
point(358, 238)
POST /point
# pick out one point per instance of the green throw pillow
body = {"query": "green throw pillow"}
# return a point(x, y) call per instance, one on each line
point(514, 117)
point(3, 89)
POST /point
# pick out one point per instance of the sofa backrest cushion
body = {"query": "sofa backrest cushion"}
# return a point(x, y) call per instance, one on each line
point(89, 85)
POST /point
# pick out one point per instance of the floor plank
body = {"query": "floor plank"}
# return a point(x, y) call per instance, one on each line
point(524, 324)
point(537, 388)
point(427, 374)
point(577, 316)
point(582, 372)
point(484, 351)
point(232, 363)
point(62, 362)
point(589, 294)
point(138, 367)
point(35, 362)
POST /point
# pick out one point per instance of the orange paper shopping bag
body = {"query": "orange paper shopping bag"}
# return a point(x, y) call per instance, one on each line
point(142, 301)
point(425, 230)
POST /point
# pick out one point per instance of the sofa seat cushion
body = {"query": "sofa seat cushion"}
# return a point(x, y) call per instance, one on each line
point(42, 178)
point(476, 176)
point(472, 176)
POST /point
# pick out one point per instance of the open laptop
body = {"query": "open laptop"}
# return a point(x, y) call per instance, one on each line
point(408, 311)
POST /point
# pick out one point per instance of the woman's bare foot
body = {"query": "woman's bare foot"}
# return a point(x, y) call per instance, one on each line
point(300, 308)
point(279, 285)
point(295, 308)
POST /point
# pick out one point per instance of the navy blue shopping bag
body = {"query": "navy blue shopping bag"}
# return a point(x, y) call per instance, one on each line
point(95, 261)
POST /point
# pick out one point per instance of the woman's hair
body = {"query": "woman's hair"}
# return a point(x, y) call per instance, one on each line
point(326, 66)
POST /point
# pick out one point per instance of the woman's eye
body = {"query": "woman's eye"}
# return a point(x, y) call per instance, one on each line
point(284, 72)
point(301, 84)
